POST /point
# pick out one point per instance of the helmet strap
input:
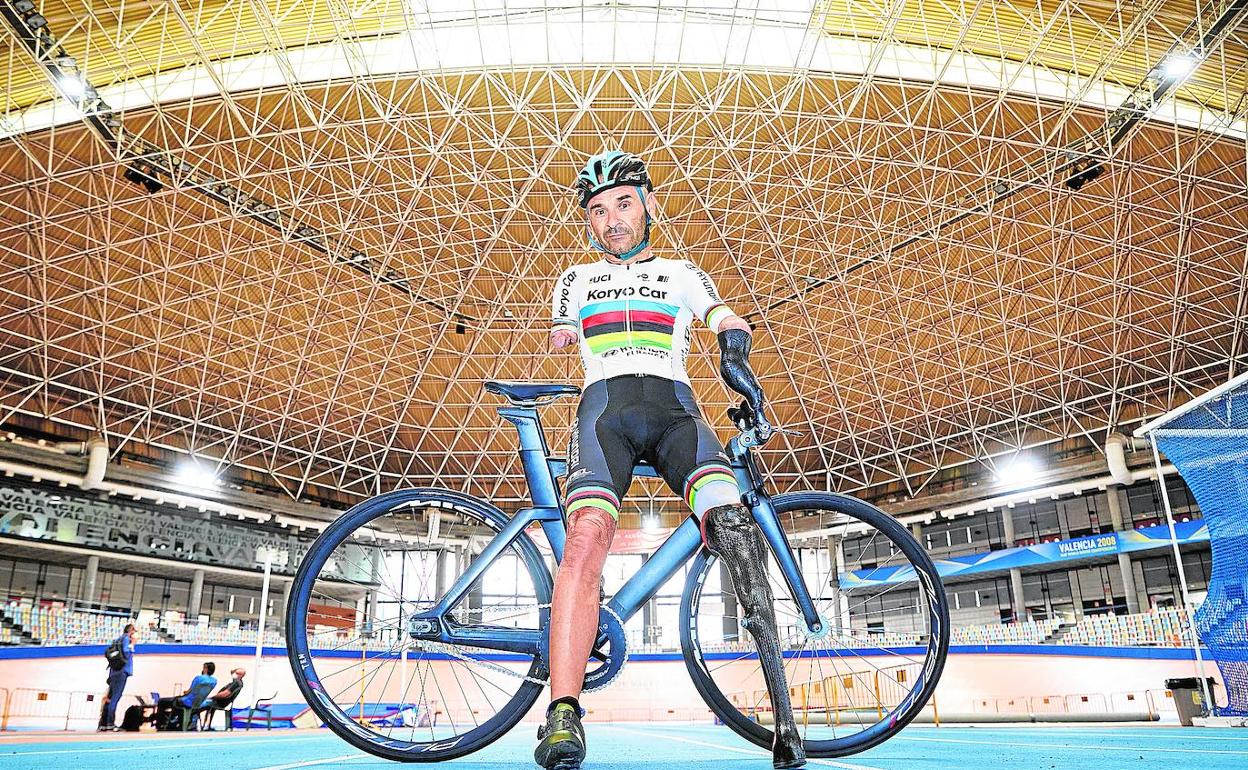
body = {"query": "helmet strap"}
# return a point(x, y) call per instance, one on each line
point(640, 247)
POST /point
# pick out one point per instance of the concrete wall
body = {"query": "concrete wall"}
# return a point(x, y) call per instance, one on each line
point(648, 688)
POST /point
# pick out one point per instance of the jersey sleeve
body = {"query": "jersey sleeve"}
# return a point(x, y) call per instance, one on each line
point(702, 298)
point(563, 309)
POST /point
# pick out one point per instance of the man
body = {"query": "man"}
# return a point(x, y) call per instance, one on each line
point(117, 677)
point(632, 314)
point(172, 708)
point(205, 680)
point(224, 697)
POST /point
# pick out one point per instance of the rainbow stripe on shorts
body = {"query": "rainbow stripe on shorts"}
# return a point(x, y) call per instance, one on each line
point(703, 475)
point(593, 496)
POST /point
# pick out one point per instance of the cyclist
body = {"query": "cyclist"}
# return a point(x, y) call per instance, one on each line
point(632, 314)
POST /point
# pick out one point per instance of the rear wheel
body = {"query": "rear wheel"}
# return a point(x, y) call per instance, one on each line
point(364, 677)
point(852, 686)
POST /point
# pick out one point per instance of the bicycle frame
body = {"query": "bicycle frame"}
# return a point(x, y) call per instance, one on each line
point(541, 471)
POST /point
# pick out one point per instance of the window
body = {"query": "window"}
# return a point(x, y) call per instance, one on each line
point(117, 590)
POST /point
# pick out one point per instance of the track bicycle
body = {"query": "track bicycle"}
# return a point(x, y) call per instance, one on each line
point(417, 621)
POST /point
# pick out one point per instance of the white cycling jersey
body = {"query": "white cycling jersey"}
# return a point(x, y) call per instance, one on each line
point(636, 318)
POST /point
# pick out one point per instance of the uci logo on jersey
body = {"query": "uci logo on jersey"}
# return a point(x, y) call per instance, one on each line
point(626, 291)
point(600, 278)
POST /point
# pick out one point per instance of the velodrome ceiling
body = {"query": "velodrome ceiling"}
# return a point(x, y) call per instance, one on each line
point(794, 146)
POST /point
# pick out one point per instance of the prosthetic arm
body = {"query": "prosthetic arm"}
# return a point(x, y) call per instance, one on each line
point(730, 533)
point(734, 367)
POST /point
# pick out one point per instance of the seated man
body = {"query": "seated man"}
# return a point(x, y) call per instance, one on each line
point(224, 698)
point(179, 707)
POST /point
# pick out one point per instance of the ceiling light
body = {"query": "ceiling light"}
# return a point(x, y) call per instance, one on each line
point(191, 473)
point(1179, 66)
point(650, 523)
point(1018, 473)
point(72, 86)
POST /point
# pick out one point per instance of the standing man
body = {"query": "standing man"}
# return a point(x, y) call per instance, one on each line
point(632, 313)
point(117, 676)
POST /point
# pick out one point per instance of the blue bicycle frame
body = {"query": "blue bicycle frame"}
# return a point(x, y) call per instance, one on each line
point(541, 470)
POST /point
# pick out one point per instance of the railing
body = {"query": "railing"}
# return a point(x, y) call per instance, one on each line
point(53, 709)
point(830, 700)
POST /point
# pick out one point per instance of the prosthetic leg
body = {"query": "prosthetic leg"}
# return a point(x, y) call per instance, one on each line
point(730, 533)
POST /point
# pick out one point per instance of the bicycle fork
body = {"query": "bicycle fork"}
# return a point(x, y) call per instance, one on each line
point(750, 481)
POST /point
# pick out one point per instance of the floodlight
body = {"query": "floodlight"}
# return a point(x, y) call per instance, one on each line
point(191, 473)
point(72, 86)
point(650, 523)
point(1019, 473)
point(1179, 66)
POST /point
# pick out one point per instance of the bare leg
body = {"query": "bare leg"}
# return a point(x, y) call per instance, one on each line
point(732, 536)
point(574, 614)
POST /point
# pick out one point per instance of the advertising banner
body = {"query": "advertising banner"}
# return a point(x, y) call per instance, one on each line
point(1107, 544)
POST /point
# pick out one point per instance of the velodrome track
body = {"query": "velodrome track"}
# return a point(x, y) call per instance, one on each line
point(618, 746)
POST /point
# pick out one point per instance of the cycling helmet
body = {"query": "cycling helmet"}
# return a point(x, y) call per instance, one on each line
point(609, 169)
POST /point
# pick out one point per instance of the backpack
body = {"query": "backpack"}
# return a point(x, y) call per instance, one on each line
point(115, 655)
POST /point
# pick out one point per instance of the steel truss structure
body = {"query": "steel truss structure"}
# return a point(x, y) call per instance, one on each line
point(363, 207)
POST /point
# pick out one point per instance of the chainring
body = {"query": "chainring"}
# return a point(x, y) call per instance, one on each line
point(608, 656)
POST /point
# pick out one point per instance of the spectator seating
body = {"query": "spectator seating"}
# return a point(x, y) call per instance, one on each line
point(1166, 627)
point(55, 624)
point(1029, 632)
point(22, 622)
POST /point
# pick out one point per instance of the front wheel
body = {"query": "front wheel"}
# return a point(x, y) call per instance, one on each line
point(874, 664)
point(364, 677)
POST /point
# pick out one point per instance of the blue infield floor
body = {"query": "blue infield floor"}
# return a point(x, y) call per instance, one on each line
point(657, 746)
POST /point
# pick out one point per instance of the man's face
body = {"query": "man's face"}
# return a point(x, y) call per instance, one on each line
point(617, 219)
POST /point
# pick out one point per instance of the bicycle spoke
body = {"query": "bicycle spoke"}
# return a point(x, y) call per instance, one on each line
point(846, 683)
point(377, 578)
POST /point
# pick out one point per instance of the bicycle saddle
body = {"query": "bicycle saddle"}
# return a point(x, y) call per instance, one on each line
point(528, 392)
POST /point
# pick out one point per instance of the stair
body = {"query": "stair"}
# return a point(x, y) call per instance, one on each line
point(165, 634)
point(23, 635)
point(1059, 632)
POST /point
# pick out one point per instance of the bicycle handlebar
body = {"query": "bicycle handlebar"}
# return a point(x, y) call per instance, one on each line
point(744, 418)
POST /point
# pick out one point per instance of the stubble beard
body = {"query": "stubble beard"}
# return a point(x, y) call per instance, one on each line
point(616, 251)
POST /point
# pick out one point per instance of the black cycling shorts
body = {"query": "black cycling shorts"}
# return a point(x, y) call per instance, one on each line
point(623, 420)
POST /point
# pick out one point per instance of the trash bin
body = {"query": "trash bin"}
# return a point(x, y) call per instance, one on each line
point(1189, 700)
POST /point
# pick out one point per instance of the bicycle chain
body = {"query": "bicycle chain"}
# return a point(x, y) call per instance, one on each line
point(447, 649)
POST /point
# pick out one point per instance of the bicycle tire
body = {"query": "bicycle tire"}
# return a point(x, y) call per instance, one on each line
point(301, 656)
point(695, 660)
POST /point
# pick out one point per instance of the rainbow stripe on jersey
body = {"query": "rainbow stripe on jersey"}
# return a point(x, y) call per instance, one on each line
point(631, 324)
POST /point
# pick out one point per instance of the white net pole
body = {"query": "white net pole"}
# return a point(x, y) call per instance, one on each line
point(1178, 563)
point(264, 605)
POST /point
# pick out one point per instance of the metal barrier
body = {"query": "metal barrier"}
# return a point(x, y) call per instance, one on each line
point(55, 709)
point(829, 700)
